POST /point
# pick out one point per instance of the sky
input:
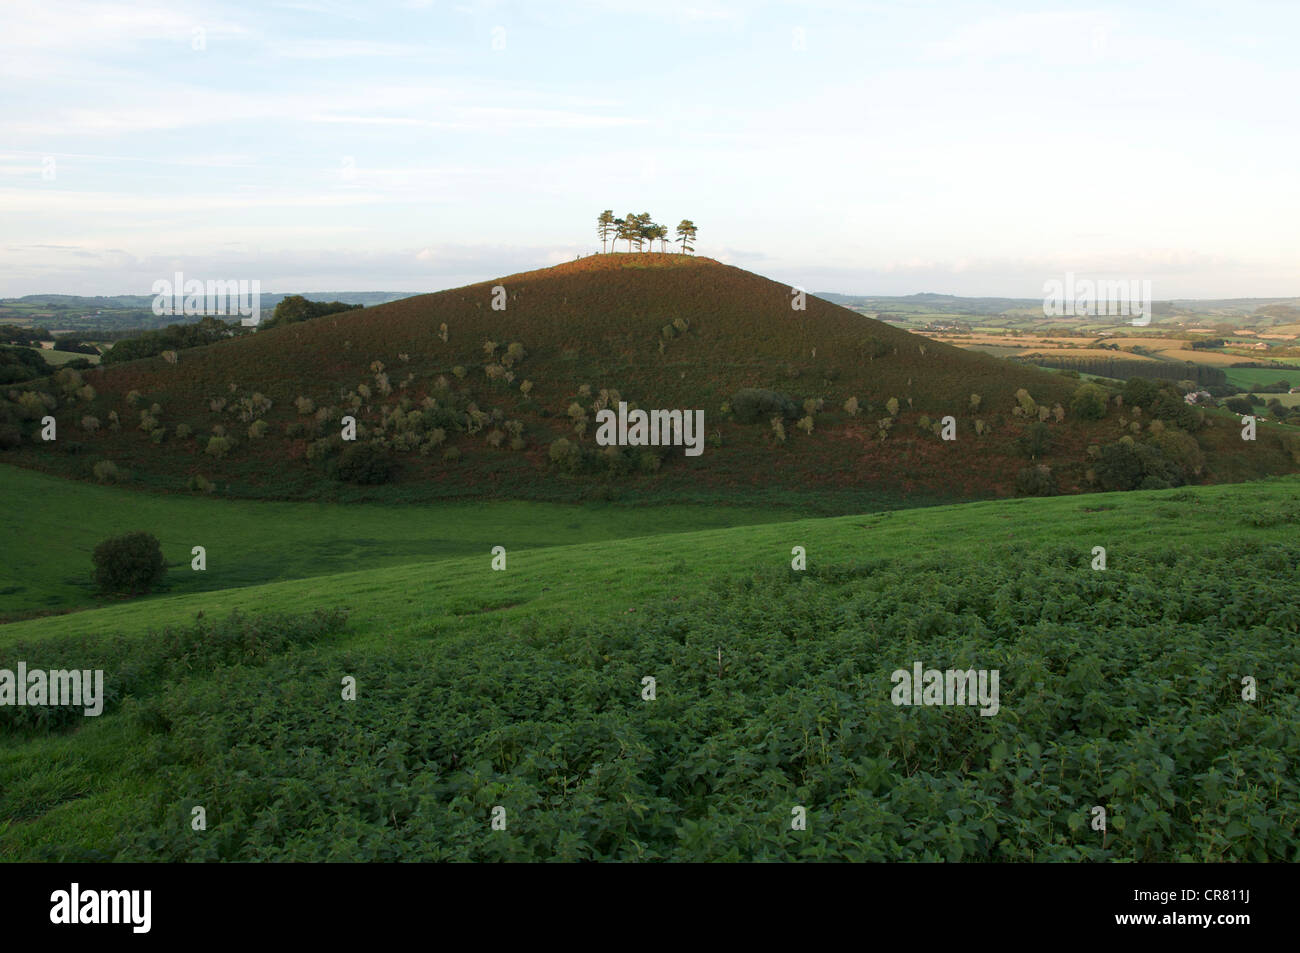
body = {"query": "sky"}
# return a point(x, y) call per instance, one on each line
point(968, 148)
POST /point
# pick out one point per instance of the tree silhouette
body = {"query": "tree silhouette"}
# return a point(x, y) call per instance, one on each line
point(628, 229)
point(686, 235)
point(604, 226)
point(645, 232)
point(640, 231)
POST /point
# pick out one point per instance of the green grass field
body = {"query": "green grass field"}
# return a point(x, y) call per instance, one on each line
point(53, 526)
point(1250, 377)
point(522, 688)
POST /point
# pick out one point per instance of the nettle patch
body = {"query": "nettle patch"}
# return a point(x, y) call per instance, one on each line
point(695, 729)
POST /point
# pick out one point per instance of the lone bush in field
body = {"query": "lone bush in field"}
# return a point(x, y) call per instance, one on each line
point(130, 564)
point(366, 464)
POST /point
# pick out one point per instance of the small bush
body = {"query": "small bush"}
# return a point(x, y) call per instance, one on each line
point(106, 471)
point(1036, 440)
point(1036, 481)
point(365, 464)
point(564, 454)
point(752, 405)
point(131, 564)
point(218, 446)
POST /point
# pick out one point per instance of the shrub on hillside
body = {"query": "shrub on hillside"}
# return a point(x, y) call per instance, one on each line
point(1036, 441)
point(1128, 465)
point(365, 464)
point(1140, 392)
point(106, 471)
point(565, 454)
point(1036, 481)
point(130, 564)
point(752, 405)
point(1089, 402)
point(219, 446)
point(1169, 406)
point(1239, 405)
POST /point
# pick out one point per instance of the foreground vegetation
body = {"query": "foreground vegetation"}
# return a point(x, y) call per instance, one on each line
point(523, 689)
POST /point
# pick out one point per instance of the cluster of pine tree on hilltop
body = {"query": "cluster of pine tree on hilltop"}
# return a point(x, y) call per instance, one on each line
point(638, 230)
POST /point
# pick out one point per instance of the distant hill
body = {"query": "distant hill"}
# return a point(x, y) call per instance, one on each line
point(468, 401)
point(111, 317)
point(95, 302)
point(931, 303)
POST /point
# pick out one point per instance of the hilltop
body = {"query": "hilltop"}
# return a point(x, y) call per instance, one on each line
point(492, 389)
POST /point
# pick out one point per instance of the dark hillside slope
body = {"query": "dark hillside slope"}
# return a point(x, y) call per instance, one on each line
point(473, 416)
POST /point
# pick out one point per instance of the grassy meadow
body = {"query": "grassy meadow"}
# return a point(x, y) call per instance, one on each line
point(523, 689)
point(47, 565)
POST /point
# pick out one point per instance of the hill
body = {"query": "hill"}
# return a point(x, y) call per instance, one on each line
point(492, 390)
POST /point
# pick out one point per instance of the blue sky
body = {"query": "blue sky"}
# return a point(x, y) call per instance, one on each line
point(891, 148)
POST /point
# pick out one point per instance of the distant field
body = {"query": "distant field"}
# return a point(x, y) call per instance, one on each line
point(1211, 358)
point(1248, 378)
point(1092, 352)
point(61, 357)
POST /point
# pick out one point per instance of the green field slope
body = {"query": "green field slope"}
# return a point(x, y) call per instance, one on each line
point(523, 689)
point(52, 527)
